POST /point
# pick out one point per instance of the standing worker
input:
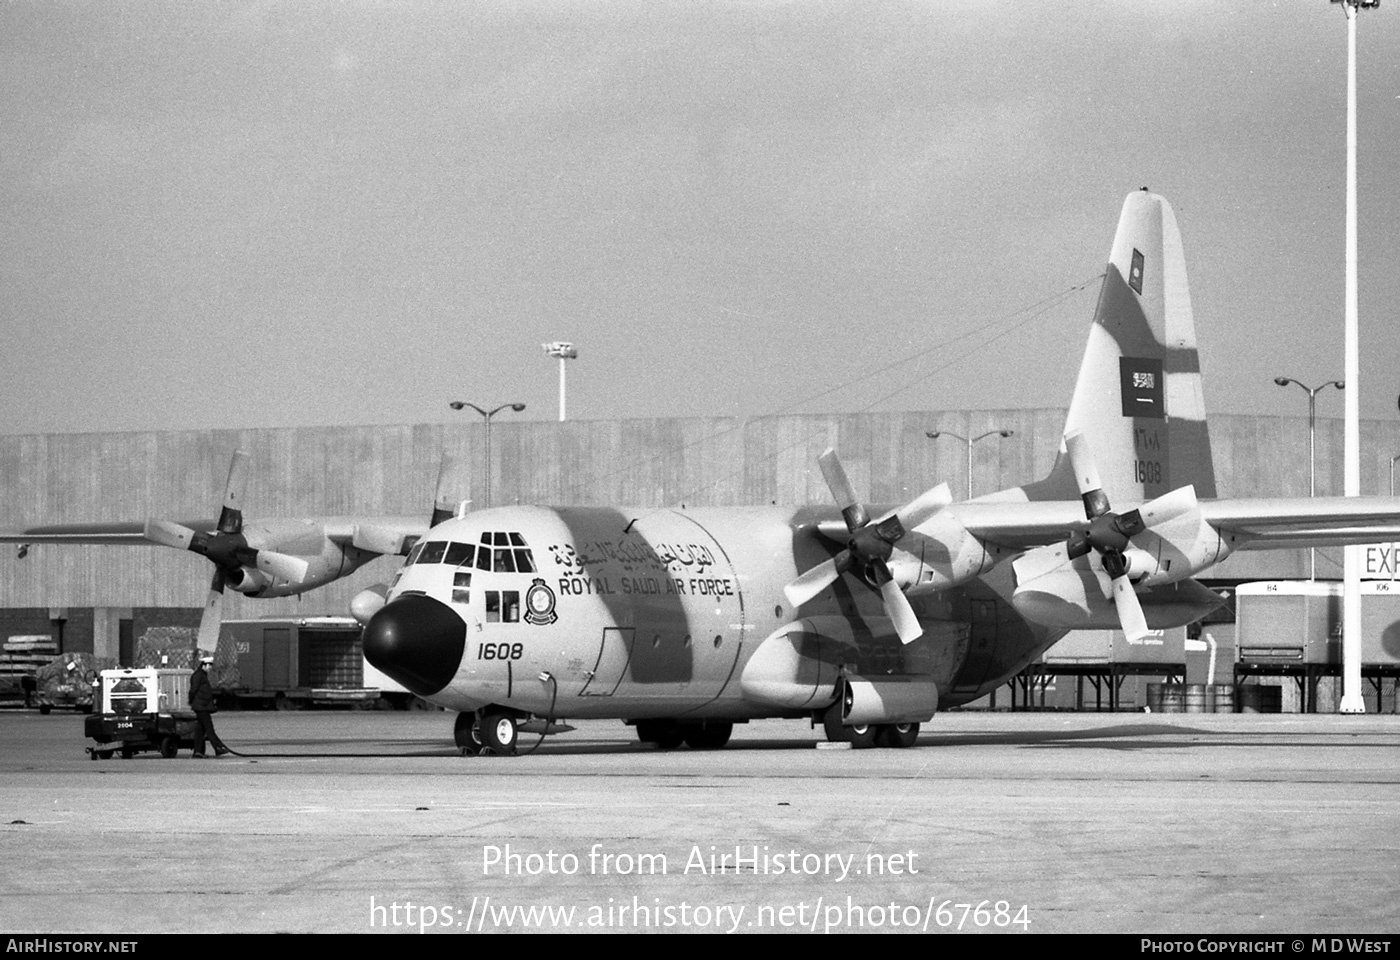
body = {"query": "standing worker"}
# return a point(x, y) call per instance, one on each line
point(203, 704)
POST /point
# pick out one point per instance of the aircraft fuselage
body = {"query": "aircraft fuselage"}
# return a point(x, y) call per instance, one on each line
point(601, 612)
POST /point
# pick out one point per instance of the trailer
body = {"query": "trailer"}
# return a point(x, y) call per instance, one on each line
point(287, 663)
point(142, 710)
point(1294, 629)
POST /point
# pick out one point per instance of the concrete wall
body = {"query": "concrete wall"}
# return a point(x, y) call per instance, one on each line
point(392, 470)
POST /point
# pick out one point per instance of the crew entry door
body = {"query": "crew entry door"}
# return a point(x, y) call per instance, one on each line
point(614, 653)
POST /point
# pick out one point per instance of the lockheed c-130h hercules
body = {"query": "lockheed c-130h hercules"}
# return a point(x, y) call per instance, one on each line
point(684, 622)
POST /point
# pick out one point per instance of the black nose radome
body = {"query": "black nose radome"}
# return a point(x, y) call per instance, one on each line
point(417, 641)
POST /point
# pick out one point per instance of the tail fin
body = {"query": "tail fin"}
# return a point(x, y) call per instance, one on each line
point(1138, 398)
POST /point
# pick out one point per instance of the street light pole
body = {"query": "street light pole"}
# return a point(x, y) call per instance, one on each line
point(935, 434)
point(1312, 446)
point(487, 414)
point(1352, 699)
point(564, 351)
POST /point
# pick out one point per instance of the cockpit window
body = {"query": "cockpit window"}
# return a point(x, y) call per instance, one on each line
point(460, 555)
point(497, 552)
point(433, 551)
point(413, 554)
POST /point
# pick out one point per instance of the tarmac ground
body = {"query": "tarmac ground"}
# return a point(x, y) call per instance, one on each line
point(363, 822)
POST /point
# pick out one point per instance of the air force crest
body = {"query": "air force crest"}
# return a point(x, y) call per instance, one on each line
point(539, 604)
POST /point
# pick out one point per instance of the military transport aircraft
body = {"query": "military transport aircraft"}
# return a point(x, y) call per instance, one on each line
point(685, 622)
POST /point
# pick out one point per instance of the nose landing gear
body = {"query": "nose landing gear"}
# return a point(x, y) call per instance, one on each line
point(488, 733)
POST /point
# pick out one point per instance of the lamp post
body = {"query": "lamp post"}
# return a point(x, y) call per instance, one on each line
point(487, 414)
point(1352, 699)
point(1312, 446)
point(935, 434)
point(564, 351)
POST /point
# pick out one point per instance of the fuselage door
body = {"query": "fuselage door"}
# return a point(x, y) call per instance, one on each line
point(613, 656)
point(981, 647)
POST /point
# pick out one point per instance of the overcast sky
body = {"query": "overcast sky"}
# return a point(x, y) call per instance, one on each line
point(277, 214)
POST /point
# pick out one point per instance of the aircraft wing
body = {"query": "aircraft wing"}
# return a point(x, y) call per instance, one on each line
point(392, 534)
point(119, 534)
point(1260, 523)
point(1284, 522)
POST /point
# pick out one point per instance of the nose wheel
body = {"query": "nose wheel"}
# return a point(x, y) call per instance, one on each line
point(491, 733)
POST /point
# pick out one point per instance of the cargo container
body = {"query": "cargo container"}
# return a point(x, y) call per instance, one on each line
point(287, 663)
point(1289, 622)
point(1294, 628)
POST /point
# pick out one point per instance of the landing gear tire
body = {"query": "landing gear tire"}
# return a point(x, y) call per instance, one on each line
point(499, 734)
point(896, 734)
point(859, 736)
point(665, 734)
point(467, 734)
point(708, 734)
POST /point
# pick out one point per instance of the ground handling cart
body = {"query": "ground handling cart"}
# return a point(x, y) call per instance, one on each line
point(141, 710)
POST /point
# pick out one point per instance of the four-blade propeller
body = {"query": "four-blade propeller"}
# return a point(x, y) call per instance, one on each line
point(869, 547)
point(1109, 534)
point(228, 549)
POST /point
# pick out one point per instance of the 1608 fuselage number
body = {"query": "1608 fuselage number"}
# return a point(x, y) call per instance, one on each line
point(499, 651)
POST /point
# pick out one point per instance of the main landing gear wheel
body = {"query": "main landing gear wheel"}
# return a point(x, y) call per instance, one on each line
point(499, 734)
point(707, 734)
point(666, 734)
point(859, 736)
point(467, 734)
point(896, 734)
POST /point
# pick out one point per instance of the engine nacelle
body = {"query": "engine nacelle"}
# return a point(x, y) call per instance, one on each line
point(1175, 550)
point(1076, 597)
point(942, 553)
point(248, 580)
point(326, 559)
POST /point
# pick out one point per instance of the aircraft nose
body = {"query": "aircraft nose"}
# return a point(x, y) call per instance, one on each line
point(417, 641)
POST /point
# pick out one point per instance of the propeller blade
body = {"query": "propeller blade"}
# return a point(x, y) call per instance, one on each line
point(1169, 506)
point(231, 517)
point(283, 566)
point(1086, 474)
point(444, 504)
point(852, 511)
point(167, 533)
point(901, 612)
point(212, 618)
point(815, 580)
point(924, 506)
point(1130, 614)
